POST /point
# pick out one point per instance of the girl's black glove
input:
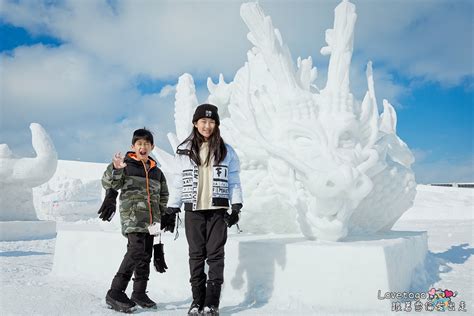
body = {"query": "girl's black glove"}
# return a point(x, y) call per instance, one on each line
point(233, 218)
point(109, 205)
point(159, 258)
point(168, 219)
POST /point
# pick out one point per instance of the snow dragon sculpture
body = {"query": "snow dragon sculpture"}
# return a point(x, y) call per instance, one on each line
point(313, 160)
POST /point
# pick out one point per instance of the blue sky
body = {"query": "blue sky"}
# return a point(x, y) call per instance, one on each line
point(93, 71)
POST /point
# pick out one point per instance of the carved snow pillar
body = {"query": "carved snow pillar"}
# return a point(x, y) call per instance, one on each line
point(18, 176)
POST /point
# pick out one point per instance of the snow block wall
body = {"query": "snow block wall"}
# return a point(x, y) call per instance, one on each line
point(73, 193)
point(284, 271)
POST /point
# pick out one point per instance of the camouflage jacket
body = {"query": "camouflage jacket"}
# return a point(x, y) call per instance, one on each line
point(144, 192)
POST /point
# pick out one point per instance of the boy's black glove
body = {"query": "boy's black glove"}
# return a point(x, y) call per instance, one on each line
point(233, 218)
point(168, 219)
point(159, 258)
point(109, 205)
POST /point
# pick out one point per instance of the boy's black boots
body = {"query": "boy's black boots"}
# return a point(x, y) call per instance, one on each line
point(139, 295)
point(116, 297)
point(213, 295)
point(199, 295)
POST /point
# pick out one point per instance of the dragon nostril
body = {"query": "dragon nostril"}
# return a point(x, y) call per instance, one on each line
point(330, 184)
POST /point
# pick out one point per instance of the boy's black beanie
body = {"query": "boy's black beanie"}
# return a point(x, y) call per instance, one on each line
point(142, 133)
point(206, 110)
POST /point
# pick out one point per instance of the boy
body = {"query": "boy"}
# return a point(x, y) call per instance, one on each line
point(144, 195)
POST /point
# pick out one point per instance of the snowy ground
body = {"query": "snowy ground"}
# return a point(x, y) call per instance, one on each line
point(28, 288)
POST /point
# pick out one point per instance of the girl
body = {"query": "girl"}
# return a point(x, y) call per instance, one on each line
point(208, 182)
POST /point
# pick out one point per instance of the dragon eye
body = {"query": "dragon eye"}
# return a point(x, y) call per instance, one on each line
point(345, 136)
point(346, 140)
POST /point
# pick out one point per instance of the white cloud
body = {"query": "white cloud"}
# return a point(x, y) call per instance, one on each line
point(428, 40)
point(431, 40)
point(84, 92)
point(61, 86)
point(89, 140)
point(87, 107)
point(158, 38)
point(167, 90)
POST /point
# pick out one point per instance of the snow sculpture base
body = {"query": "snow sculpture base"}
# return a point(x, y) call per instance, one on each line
point(297, 274)
point(282, 272)
point(27, 230)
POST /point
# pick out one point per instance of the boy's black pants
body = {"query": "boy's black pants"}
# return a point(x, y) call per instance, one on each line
point(136, 260)
point(206, 233)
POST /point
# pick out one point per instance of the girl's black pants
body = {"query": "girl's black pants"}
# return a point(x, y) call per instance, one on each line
point(206, 233)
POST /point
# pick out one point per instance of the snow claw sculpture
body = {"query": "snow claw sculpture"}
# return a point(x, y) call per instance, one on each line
point(19, 175)
point(313, 160)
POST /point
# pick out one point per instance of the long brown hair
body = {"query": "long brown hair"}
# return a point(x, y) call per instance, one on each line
point(217, 147)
